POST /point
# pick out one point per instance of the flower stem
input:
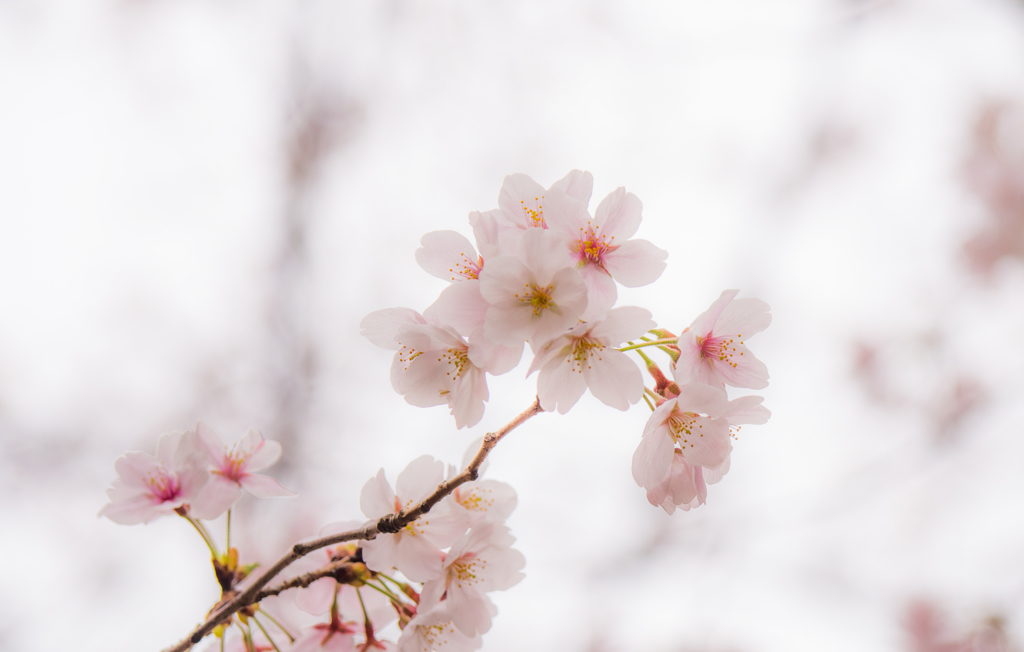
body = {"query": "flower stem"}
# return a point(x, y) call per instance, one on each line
point(279, 625)
point(203, 533)
point(228, 544)
point(648, 401)
point(667, 340)
point(387, 592)
point(263, 629)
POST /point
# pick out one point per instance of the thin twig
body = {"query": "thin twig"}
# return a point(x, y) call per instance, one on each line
point(388, 524)
point(302, 581)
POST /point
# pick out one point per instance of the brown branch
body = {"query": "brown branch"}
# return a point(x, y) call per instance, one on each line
point(388, 524)
point(339, 570)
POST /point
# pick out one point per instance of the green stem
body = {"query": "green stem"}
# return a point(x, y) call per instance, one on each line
point(648, 361)
point(385, 591)
point(228, 544)
point(648, 402)
point(279, 625)
point(203, 533)
point(264, 630)
point(668, 340)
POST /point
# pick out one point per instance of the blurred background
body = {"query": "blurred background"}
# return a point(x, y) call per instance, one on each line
point(200, 199)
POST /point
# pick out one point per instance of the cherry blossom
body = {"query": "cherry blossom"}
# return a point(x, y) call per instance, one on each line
point(602, 247)
point(234, 469)
point(535, 294)
point(148, 487)
point(432, 630)
point(698, 423)
point(450, 256)
point(683, 487)
point(585, 358)
point(416, 549)
point(713, 350)
point(483, 560)
point(432, 365)
point(521, 200)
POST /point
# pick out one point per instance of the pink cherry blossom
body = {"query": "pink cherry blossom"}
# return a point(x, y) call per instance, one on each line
point(521, 200)
point(449, 255)
point(585, 357)
point(432, 630)
point(682, 488)
point(697, 424)
point(483, 560)
point(602, 247)
point(235, 469)
point(535, 294)
point(416, 549)
point(432, 365)
point(713, 350)
point(148, 487)
point(485, 500)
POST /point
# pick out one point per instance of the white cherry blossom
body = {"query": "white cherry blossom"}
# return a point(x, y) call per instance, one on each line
point(416, 549)
point(148, 487)
point(603, 246)
point(483, 560)
point(432, 364)
point(713, 349)
point(535, 294)
point(697, 423)
point(521, 200)
point(235, 469)
point(432, 630)
point(585, 357)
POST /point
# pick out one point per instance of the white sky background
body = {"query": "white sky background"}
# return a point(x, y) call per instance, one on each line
point(808, 152)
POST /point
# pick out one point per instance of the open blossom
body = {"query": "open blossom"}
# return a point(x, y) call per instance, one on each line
point(585, 357)
point(148, 487)
point(603, 246)
point(697, 424)
point(432, 630)
point(483, 560)
point(521, 200)
point(234, 469)
point(432, 363)
point(416, 549)
point(713, 350)
point(449, 255)
point(535, 294)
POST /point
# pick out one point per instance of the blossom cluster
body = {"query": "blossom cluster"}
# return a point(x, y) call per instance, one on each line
point(543, 272)
point(455, 554)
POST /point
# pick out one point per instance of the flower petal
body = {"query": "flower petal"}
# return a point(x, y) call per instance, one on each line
point(636, 263)
point(578, 184)
point(619, 214)
point(215, 498)
point(381, 326)
point(614, 379)
point(448, 255)
point(376, 498)
point(264, 486)
point(266, 454)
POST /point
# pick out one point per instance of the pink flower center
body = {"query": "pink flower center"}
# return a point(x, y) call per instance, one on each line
point(163, 485)
point(592, 247)
point(718, 348)
point(234, 464)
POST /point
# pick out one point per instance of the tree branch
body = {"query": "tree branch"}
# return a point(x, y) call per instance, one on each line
point(388, 524)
